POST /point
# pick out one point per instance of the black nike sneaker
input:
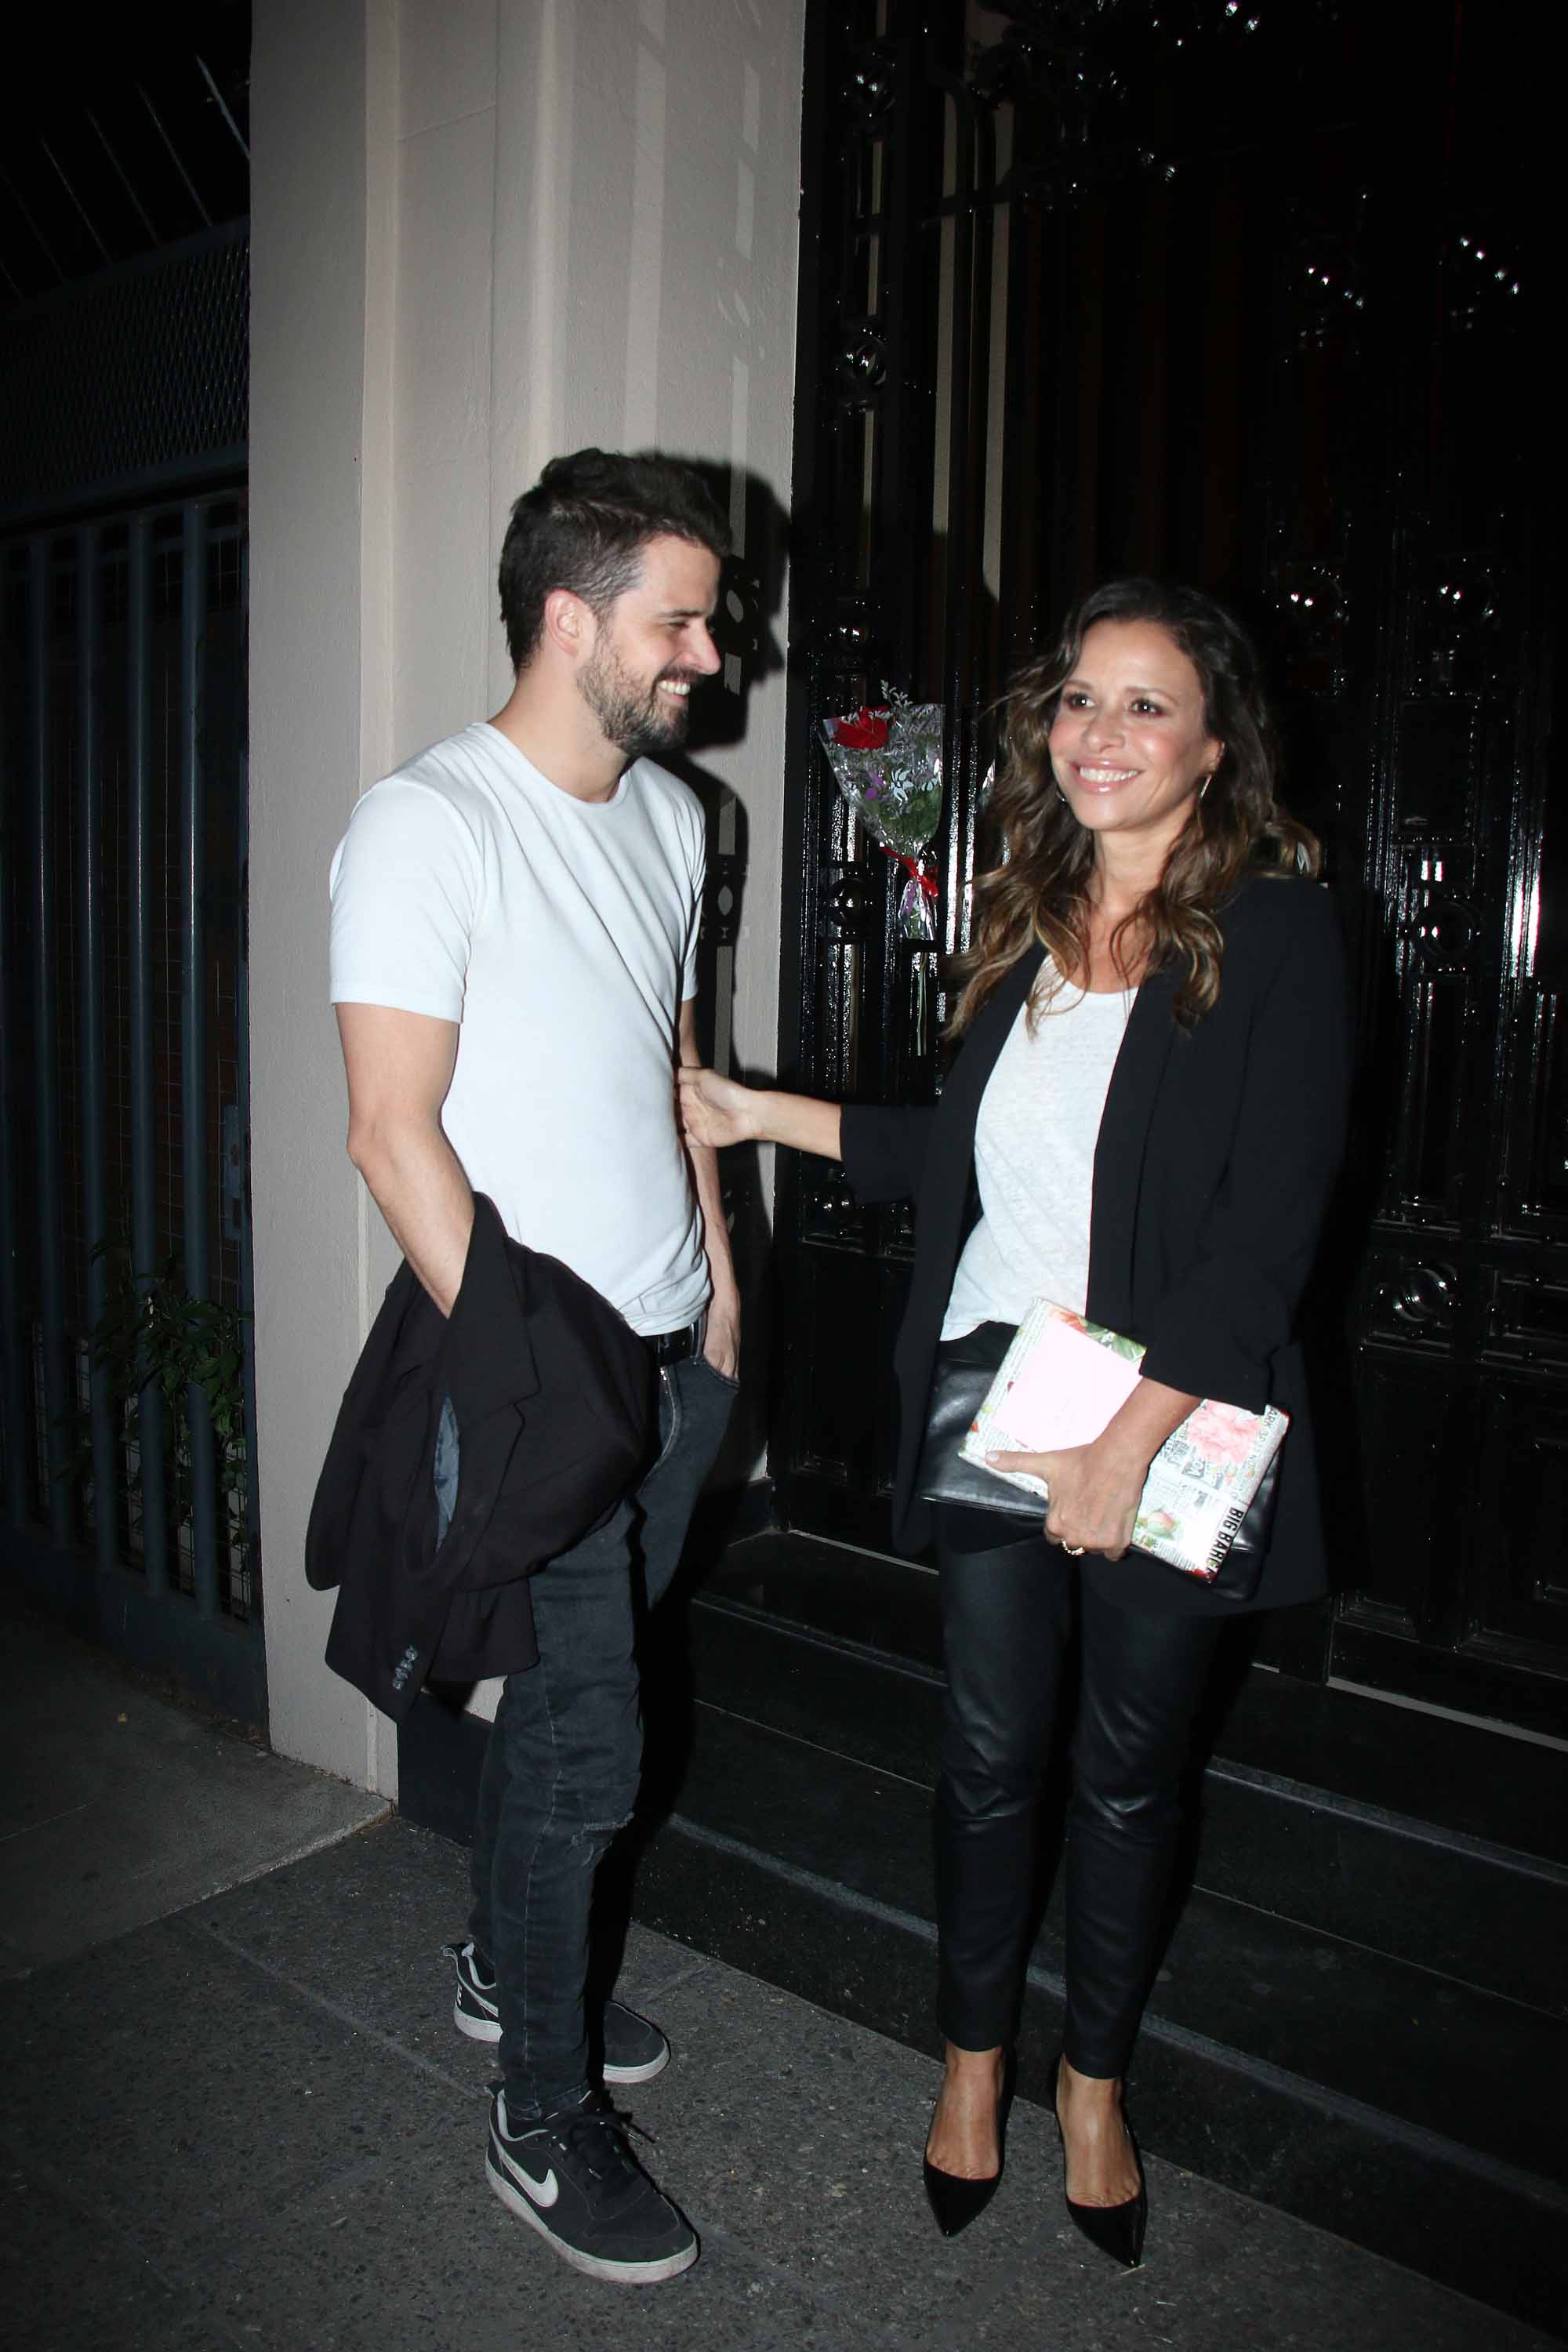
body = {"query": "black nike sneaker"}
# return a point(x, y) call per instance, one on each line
point(574, 2179)
point(635, 2051)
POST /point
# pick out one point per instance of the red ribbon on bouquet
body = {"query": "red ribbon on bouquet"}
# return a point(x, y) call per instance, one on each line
point(914, 868)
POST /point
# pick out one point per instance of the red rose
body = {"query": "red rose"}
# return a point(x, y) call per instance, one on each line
point(867, 732)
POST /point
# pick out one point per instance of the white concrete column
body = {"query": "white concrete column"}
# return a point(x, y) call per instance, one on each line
point(323, 81)
point(483, 232)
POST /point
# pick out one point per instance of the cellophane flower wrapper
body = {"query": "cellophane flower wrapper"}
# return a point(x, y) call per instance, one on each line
point(1048, 1395)
point(887, 763)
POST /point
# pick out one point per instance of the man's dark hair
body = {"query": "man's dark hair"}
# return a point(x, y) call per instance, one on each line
point(584, 526)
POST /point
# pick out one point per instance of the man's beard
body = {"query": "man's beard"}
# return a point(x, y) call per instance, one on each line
point(636, 719)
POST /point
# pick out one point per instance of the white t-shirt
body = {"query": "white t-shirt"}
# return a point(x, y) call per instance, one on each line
point(1034, 1161)
point(562, 935)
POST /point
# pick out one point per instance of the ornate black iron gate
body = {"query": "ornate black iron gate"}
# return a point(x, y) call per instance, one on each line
point(126, 1396)
point(1246, 294)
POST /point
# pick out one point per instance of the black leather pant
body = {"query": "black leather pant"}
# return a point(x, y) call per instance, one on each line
point(1007, 1617)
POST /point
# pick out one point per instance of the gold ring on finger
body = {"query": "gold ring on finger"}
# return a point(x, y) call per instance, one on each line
point(1076, 1550)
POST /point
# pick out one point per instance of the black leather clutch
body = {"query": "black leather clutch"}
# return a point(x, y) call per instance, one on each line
point(959, 1388)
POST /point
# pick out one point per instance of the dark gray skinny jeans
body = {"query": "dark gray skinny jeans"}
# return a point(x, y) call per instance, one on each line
point(565, 1754)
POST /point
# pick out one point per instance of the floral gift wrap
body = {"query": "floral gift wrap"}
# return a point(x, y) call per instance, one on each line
point(887, 763)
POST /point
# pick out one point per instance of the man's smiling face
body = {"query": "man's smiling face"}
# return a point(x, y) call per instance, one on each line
point(652, 646)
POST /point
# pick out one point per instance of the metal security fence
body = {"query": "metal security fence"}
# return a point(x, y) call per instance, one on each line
point(140, 374)
point(126, 1419)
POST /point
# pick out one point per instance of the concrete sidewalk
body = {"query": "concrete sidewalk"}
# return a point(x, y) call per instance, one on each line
point(117, 1807)
point(249, 2124)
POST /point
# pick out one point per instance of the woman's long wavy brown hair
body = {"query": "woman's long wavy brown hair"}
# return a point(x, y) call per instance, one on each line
point(1039, 890)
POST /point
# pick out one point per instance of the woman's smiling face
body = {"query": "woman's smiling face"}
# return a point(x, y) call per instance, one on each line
point(1129, 746)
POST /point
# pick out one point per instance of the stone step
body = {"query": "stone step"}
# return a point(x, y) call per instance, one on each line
point(1375, 2097)
point(1359, 2019)
point(1440, 1842)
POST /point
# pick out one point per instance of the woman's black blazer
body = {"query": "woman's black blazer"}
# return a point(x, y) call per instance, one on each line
point(1218, 1148)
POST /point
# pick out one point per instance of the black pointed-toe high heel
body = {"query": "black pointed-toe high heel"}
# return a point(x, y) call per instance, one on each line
point(1116, 2230)
point(954, 2201)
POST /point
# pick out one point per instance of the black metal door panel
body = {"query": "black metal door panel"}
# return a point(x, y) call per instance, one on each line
point(1250, 298)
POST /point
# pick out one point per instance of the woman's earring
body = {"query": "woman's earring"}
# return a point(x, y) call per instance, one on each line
point(1207, 783)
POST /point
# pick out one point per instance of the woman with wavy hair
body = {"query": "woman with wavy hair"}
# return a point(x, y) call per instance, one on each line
point(1144, 1124)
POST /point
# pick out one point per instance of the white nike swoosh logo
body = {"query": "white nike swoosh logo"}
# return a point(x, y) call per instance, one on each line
point(543, 2192)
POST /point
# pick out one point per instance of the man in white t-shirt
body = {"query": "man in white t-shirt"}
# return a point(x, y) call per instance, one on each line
point(514, 935)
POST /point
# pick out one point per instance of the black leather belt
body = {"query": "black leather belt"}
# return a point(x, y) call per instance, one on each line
point(674, 1347)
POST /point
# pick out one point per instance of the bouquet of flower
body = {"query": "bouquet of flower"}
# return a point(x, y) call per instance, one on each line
point(887, 764)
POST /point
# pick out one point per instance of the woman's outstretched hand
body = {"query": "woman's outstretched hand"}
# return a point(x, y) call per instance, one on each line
point(715, 1111)
point(1093, 1495)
